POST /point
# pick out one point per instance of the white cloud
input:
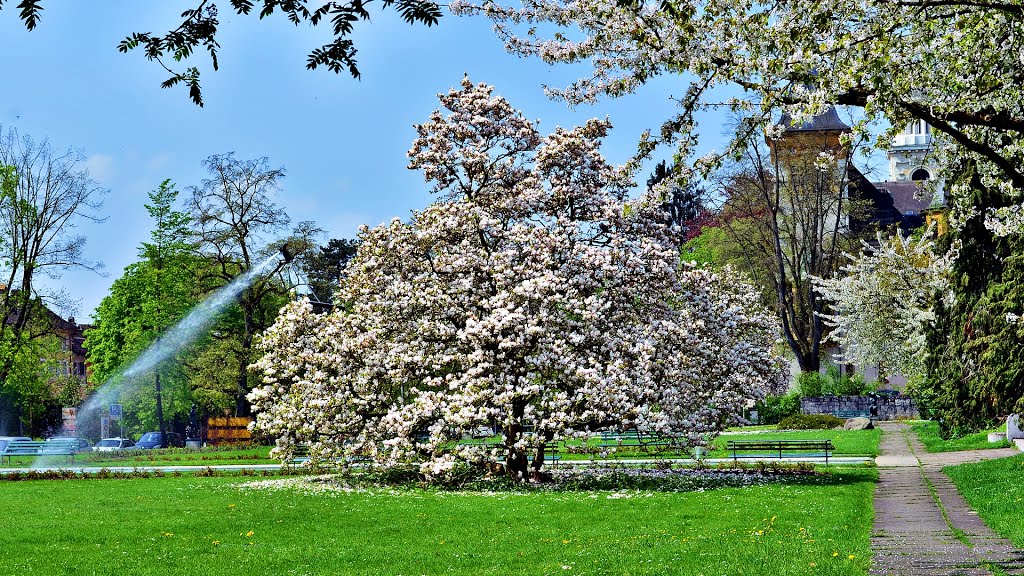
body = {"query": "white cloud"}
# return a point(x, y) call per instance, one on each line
point(101, 168)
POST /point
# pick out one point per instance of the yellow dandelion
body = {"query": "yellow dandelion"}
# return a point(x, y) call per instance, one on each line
point(249, 534)
point(851, 556)
point(834, 554)
point(216, 542)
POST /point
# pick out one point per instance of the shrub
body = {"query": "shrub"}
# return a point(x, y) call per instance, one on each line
point(773, 409)
point(810, 422)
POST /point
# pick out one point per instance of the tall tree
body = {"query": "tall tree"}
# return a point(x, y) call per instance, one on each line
point(200, 25)
point(44, 195)
point(150, 297)
point(325, 267)
point(534, 293)
point(975, 364)
point(789, 205)
point(241, 229)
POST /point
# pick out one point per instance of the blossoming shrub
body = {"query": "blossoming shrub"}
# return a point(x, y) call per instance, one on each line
point(533, 296)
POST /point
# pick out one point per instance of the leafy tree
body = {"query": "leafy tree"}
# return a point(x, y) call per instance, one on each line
point(326, 266)
point(533, 294)
point(882, 301)
point(43, 196)
point(150, 297)
point(239, 229)
point(788, 207)
point(200, 25)
point(895, 61)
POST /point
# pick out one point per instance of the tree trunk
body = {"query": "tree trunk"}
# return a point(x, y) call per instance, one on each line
point(516, 464)
point(160, 413)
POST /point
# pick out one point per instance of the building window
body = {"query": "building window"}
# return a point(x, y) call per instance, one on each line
point(920, 174)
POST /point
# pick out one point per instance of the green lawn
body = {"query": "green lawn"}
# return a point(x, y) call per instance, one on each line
point(847, 443)
point(169, 457)
point(207, 526)
point(928, 432)
point(996, 491)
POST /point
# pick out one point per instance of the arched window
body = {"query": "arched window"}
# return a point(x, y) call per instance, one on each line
point(920, 174)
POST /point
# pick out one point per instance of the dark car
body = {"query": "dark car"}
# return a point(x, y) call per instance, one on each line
point(152, 440)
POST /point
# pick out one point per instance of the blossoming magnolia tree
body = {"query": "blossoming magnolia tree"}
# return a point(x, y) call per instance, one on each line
point(883, 301)
point(534, 296)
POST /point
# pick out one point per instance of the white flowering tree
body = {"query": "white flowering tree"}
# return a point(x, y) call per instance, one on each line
point(955, 63)
point(533, 296)
point(883, 300)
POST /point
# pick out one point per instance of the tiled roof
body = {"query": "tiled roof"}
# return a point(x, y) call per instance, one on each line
point(907, 195)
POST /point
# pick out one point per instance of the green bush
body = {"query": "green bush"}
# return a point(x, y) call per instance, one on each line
point(810, 422)
point(833, 382)
point(773, 409)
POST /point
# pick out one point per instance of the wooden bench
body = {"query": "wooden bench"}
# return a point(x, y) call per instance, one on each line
point(779, 448)
point(36, 448)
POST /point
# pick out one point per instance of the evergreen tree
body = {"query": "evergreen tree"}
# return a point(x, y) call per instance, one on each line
point(976, 364)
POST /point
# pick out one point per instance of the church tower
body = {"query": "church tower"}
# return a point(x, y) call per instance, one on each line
point(908, 155)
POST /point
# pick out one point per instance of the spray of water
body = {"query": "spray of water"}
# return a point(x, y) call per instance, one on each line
point(170, 343)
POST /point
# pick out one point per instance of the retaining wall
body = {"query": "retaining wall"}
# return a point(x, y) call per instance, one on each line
point(889, 407)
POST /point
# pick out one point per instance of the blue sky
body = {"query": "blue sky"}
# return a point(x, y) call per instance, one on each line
point(341, 141)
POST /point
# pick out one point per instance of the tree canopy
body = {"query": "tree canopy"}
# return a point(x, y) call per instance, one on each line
point(893, 60)
point(533, 296)
point(200, 25)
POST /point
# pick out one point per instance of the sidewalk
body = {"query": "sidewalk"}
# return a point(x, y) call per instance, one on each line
point(922, 524)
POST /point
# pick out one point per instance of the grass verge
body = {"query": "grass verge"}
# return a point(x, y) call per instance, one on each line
point(192, 525)
point(928, 432)
point(994, 489)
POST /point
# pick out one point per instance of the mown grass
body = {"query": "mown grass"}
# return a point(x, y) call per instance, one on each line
point(846, 442)
point(928, 432)
point(994, 489)
point(208, 526)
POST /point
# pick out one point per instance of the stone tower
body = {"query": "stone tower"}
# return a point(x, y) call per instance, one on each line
point(908, 155)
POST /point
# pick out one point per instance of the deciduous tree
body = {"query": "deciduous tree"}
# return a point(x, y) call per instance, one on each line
point(533, 295)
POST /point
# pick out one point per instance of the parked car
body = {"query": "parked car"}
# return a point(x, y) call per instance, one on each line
point(152, 440)
point(83, 444)
point(113, 445)
point(5, 439)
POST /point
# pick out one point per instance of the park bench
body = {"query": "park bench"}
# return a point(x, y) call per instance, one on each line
point(301, 455)
point(36, 448)
point(780, 448)
point(852, 414)
point(634, 439)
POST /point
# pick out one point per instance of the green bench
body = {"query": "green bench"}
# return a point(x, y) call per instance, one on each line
point(780, 448)
point(36, 448)
point(634, 439)
point(852, 414)
point(301, 455)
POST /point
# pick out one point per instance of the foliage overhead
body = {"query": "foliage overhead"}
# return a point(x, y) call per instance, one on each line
point(894, 60)
point(533, 296)
point(199, 27)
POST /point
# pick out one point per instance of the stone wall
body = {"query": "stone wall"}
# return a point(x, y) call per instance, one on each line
point(889, 407)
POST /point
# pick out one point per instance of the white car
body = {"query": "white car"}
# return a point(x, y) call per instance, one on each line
point(113, 445)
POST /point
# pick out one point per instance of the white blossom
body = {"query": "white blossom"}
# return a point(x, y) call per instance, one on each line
point(534, 295)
